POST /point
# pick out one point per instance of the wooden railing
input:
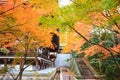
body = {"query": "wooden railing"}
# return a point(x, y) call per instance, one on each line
point(75, 68)
point(43, 62)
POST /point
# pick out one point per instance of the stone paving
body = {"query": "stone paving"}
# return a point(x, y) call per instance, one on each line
point(67, 76)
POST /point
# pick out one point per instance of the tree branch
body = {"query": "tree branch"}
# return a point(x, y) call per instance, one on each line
point(79, 33)
point(109, 50)
point(11, 9)
point(75, 3)
point(104, 15)
point(116, 24)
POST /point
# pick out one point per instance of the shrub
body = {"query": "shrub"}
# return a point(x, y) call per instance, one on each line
point(4, 50)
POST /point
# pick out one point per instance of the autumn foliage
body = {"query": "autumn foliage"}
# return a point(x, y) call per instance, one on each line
point(26, 16)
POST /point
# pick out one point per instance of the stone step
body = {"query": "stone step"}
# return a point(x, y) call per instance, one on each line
point(86, 72)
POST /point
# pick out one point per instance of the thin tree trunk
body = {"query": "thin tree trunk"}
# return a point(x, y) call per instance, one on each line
point(21, 69)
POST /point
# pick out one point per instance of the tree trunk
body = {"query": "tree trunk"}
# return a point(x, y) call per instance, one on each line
point(21, 70)
point(5, 62)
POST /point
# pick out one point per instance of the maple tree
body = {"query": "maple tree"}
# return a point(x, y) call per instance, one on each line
point(18, 22)
point(24, 22)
